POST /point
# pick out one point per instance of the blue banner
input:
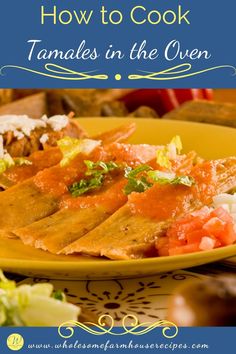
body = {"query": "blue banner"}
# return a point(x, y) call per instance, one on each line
point(117, 43)
point(51, 340)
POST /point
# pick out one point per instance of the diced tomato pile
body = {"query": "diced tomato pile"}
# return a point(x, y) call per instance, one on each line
point(202, 230)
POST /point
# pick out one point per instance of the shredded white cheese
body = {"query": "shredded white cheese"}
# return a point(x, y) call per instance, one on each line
point(23, 125)
point(57, 123)
point(18, 135)
point(44, 138)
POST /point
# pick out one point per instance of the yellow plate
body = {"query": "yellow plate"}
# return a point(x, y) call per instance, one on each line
point(208, 140)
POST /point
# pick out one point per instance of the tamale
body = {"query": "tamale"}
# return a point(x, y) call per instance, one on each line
point(24, 204)
point(67, 225)
point(121, 236)
point(54, 233)
point(57, 181)
point(130, 235)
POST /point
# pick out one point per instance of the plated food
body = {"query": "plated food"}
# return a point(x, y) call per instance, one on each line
point(103, 197)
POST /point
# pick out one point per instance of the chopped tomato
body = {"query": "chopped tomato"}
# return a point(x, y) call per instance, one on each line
point(229, 235)
point(183, 249)
point(195, 236)
point(214, 226)
point(222, 214)
point(202, 230)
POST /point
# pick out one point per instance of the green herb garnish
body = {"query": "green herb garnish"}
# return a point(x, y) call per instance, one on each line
point(148, 177)
point(84, 186)
point(97, 171)
point(170, 178)
point(131, 173)
point(135, 183)
point(99, 168)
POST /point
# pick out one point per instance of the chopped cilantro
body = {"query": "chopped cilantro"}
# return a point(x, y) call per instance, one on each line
point(170, 178)
point(100, 167)
point(148, 177)
point(84, 186)
point(97, 172)
point(135, 183)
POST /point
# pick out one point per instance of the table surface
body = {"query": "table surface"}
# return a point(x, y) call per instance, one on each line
point(146, 298)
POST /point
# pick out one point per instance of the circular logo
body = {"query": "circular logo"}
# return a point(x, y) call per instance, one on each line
point(15, 342)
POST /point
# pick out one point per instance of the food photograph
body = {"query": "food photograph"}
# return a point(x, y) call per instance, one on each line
point(117, 203)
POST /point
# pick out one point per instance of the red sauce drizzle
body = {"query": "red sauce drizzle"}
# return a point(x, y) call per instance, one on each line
point(169, 201)
point(40, 160)
point(110, 198)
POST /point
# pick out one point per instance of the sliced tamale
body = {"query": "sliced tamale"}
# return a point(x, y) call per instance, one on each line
point(122, 236)
point(59, 230)
point(132, 235)
point(45, 190)
point(23, 204)
point(62, 228)
point(79, 216)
